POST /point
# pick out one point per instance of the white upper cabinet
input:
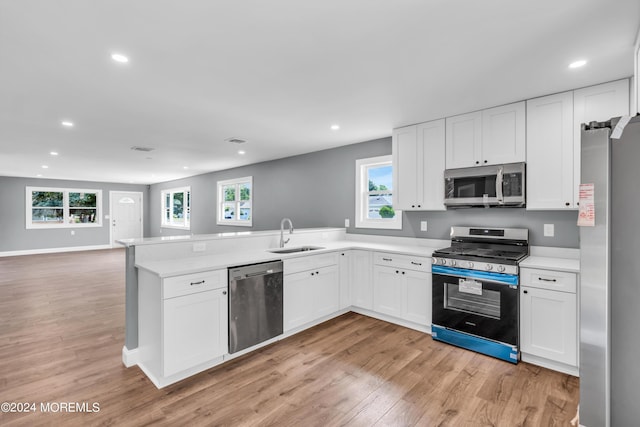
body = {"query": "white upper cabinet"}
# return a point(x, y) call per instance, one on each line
point(464, 140)
point(488, 137)
point(503, 134)
point(418, 166)
point(597, 103)
point(550, 152)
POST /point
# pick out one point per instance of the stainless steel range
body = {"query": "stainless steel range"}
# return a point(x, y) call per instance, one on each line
point(475, 290)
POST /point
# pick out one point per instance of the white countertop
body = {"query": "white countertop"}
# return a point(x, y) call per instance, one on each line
point(570, 265)
point(198, 264)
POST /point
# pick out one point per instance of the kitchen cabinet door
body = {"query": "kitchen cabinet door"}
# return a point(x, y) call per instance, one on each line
point(464, 140)
point(503, 134)
point(417, 297)
point(344, 264)
point(387, 290)
point(596, 103)
point(548, 324)
point(361, 283)
point(550, 152)
point(297, 300)
point(418, 166)
point(406, 168)
point(195, 330)
point(326, 291)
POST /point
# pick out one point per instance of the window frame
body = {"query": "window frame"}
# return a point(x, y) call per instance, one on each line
point(66, 208)
point(186, 191)
point(362, 194)
point(220, 219)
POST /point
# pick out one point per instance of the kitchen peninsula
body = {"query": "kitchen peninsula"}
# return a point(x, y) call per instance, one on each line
point(356, 262)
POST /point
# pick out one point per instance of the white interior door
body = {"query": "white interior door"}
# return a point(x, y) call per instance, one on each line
point(126, 215)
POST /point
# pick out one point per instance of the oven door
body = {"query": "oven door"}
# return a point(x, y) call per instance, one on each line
point(480, 303)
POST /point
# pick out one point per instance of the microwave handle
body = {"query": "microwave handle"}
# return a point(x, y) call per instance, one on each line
point(499, 180)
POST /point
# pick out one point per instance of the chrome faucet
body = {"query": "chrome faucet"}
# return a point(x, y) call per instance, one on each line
point(282, 241)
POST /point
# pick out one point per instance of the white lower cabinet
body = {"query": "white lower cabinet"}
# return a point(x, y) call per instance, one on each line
point(313, 293)
point(182, 324)
point(195, 329)
point(361, 283)
point(402, 287)
point(549, 319)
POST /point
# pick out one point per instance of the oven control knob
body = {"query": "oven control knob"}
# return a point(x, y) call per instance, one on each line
point(434, 260)
point(452, 262)
point(501, 268)
point(489, 267)
point(469, 264)
point(443, 261)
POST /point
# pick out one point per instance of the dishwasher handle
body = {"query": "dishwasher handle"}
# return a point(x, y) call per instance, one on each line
point(259, 273)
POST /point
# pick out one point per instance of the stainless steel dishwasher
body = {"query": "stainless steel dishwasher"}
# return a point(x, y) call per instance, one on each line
point(255, 304)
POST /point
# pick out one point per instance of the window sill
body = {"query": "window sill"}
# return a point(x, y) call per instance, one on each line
point(236, 223)
point(176, 227)
point(396, 225)
point(75, 225)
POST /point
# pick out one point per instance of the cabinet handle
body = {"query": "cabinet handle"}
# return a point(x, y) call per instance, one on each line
point(313, 274)
point(224, 292)
point(403, 272)
point(201, 282)
point(387, 259)
point(485, 161)
point(567, 204)
point(317, 272)
point(477, 162)
point(525, 292)
point(416, 263)
point(546, 280)
point(342, 254)
point(419, 206)
point(397, 272)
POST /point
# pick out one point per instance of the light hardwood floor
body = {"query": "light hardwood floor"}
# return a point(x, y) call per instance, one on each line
point(62, 332)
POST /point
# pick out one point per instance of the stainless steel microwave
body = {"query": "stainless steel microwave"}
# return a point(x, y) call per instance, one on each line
point(495, 185)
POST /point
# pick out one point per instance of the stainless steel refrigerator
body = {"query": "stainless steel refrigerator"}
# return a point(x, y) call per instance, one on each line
point(610, 274)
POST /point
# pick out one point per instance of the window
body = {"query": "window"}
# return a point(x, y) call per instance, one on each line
point(234, 202)
point(63, 207)
point(374, 194)
point(176, 208)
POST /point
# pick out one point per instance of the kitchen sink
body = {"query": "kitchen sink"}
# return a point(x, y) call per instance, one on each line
point(294, 250)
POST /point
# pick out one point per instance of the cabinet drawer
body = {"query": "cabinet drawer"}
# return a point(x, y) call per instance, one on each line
point(192, 283)
point(405, 262)
point(309, 262)
point(548, 279)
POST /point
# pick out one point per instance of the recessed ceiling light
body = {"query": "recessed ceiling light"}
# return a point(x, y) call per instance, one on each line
point(335, 127)
point(54, 153)
point(578, 64)
point(45, 167)
point(39, 175)
point(67, 124)
point(118, 57)
point(185, 167)
point(241, 152)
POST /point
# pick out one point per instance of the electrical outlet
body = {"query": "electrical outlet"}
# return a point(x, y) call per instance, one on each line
point(346, 222)
point(199, 247)
point(423, 225)
point(73, 232)
point(549, 230)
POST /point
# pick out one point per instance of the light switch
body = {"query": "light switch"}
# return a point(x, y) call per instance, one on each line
point(423, 225)
point(346, 222)
point(549, 230)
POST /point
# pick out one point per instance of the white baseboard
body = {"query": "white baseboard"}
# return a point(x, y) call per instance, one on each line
point(54, 250)
point(550, 364)
point(129, 357)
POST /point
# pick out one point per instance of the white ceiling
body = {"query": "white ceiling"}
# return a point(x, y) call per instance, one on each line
point(277, 73)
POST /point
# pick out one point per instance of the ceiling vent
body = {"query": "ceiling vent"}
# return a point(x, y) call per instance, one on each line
point(236, 140)
point(145, 149)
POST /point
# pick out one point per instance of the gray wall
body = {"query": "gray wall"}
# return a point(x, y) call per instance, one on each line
point(317, 190)
point(14, 236)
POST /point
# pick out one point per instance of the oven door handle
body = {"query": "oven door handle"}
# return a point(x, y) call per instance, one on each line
point(485, 276)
